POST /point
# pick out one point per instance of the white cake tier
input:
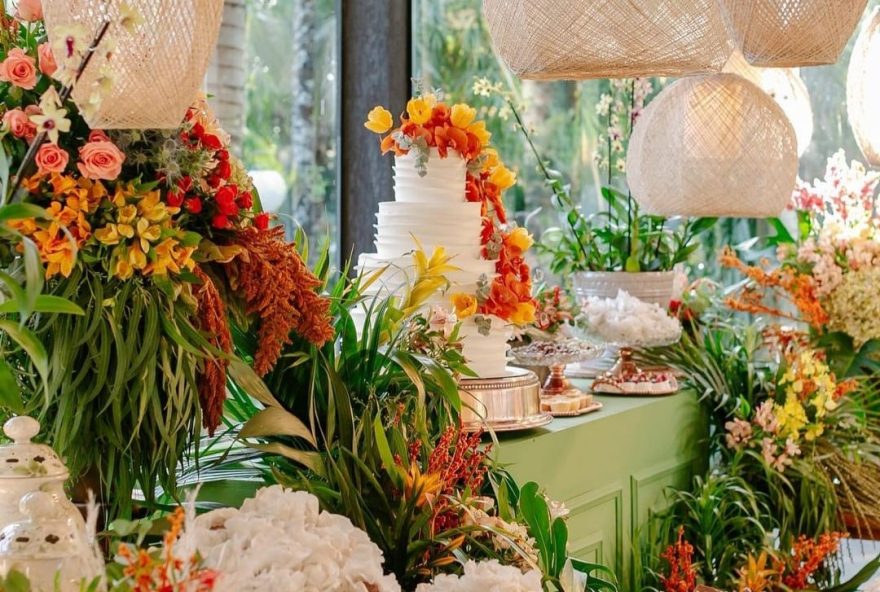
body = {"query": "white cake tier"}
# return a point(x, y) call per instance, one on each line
point(485, 354)
point(443, 183)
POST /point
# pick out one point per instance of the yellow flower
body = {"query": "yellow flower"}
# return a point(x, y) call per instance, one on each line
point(123, 269)
point(422, 487)
point(520, 239)
point(524, 314)
point(465, 305)
point(478, 128)
point(502, 177)
point(147, 233)
point(419, 110)
point(137, 257)
point(126, 214)
point(814, 431)
point(152, 208)
point(492, 159)
point(462, 115)
point(379, 120)
point(108, 235)
point(792, 417)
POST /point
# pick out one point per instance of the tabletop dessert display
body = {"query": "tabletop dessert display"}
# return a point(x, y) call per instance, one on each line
point(629, 323)
point(558, 396)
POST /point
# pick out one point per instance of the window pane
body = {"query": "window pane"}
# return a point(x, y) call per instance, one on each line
point(279, 94)
point(453, 50)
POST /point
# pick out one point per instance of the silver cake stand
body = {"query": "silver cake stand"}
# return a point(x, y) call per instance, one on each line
point(627, 378)
point(504, 404)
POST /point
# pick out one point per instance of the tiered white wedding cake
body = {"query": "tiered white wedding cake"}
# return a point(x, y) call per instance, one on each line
point(432, 211)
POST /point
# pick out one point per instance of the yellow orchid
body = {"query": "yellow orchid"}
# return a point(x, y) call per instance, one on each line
point(126, 214)
point(419, 110)
point(462, 115)
point(502, 177)
point(465, 305)
point(379, 120)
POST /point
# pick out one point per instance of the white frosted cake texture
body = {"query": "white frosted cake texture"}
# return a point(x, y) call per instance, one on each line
point(432, 211)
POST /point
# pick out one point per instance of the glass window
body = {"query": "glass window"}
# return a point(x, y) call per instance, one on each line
point(571, 121)
point(273, 83)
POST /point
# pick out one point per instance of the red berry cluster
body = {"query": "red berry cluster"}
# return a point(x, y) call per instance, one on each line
point(215, 196)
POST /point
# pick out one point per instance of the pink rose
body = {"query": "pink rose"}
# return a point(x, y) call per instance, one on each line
point(30, 10)
point(51, 158)
point(19, 68)
point(19, 124)
point(48, 65)
point(100, 160)
point(98, 136)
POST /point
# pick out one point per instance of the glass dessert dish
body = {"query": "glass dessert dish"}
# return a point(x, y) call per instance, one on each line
point(558, 396)
point(627, 378)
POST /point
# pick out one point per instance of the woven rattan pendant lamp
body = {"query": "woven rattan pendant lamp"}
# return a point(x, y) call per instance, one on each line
point(565, 39)
point(785, 86)
point(148, 72)
point(792, 33)
point(713, 146)
point(863, 89)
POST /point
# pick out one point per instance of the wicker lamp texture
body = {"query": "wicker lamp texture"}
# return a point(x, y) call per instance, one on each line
point(561, 39)
point(157, 67)
point(863, 89)
point(787, 88)
point(713, 146)
point(792, 33)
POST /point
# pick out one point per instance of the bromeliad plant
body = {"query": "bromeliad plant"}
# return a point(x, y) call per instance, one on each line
point(156, 236)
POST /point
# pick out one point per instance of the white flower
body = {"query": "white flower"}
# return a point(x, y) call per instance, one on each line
point(486, 576)
point(280, 540)
point(53, 118)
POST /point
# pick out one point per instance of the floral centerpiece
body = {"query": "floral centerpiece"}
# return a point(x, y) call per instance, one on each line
point(829, 273)
point(157, 236)
point(429, 123)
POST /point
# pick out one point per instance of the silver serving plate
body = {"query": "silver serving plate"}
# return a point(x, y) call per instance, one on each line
point(505, 404)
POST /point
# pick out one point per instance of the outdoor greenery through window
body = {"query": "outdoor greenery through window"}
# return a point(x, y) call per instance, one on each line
point(283, 112)
point(580, 128)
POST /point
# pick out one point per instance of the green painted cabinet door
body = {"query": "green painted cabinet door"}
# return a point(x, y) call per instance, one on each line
point(611, 468)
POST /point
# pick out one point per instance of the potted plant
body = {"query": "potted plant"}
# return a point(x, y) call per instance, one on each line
point(618, 247)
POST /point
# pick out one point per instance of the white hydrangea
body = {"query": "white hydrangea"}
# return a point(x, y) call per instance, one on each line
point(626, 320)
point(280, 540)
point(486, 576)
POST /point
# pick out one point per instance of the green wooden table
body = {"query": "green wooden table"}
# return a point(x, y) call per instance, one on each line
point(611, 468)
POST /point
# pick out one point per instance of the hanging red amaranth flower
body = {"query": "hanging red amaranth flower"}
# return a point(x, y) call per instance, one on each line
point(211, 320)
point(279, 290)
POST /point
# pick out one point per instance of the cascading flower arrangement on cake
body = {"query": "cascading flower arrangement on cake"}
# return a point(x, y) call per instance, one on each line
point(448, 193)
point(155, 234)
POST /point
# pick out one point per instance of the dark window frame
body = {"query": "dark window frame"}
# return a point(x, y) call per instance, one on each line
point(374, 68)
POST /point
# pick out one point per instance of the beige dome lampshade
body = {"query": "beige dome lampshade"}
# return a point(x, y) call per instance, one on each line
point(863, 89)
point(564, 39)
point(713, 146)
point(785, 86)
point(792, 33)
point(156, 67)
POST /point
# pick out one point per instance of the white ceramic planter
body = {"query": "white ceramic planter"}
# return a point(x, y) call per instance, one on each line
point(649, 286)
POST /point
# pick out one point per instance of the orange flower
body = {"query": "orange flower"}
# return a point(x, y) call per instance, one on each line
point(465, 305)
point(379, 120)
